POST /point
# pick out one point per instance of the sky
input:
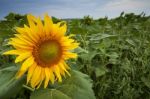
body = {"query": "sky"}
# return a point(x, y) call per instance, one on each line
point(74, 8)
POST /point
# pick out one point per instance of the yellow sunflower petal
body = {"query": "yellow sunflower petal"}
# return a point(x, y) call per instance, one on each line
point(11, 52)
point(30, 20)
point(48, 24)
point(23, 38)
point(63, 68)
point(23, 56)
point(20, 30)
point(42, 78)
point(71, 46)
point(40, 25)
point(19, 41)
point(36, 76)
point(30, 72)
point(22, 46)
point(56, 70)
point(27, 63)
point(52, 78)
point(47, 77)
point(63, 28)
point(67, 55)
point(30, 33)
point(65, 65)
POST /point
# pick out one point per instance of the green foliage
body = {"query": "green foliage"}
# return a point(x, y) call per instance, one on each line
point(114, 53)
point(49, 94)
point(7, 26)
point(55, 20)
point(87, 20)
point(117, 55)
point(9, 86)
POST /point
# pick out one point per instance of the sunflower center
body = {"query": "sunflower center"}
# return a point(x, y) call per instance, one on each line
point(49, 53)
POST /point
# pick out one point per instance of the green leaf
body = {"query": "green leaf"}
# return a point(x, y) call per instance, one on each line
point(80, 50)
point(113, 57)
point(100, 71)
point(100, 36)
point(49, 94)
point(78, 86)
point(88, 56)
point(146, 81)
point(131, 42)
point(9, 86)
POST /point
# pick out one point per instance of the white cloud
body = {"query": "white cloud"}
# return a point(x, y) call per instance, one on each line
point(126, 4)
point(114, 7)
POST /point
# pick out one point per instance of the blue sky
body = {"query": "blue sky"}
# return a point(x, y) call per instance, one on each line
point(74, 8)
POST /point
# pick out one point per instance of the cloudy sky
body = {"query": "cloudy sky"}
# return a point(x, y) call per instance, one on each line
point(74, 8)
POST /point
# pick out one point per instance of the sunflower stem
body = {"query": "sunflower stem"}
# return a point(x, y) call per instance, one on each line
point(29, 88)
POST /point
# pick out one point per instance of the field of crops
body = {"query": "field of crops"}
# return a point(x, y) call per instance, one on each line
point(113, 60)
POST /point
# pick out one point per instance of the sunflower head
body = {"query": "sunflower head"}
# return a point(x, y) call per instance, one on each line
point(42, 48)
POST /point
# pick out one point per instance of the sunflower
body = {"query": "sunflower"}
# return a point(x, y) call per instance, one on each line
point(43, 48)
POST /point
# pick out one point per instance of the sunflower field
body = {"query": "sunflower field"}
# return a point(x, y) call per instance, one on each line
point(51, 58)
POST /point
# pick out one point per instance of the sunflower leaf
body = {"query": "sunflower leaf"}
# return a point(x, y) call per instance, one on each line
point(49, 94)
point(9, 86)
point(78, 86)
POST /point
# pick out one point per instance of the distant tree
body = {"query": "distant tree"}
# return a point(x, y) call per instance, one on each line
point(14, 16)
point(87, 20)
